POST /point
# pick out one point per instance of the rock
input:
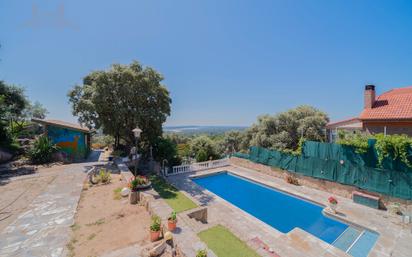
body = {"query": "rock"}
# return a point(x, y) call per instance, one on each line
point(125, 191)
point(5, 156)
point(168, 236)
point(158, 250)
point(154, 249)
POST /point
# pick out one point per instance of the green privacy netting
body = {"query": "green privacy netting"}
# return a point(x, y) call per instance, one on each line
point(341, 164)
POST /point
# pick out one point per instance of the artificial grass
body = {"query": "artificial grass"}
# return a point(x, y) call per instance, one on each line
point(177, 200)
point(224, 244)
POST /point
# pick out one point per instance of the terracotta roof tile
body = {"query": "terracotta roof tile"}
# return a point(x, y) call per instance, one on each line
point(394, 104)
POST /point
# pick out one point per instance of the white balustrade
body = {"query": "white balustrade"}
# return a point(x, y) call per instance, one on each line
point(197, 166)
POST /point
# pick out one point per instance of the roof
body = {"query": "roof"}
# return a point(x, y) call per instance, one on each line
point(64, 124)
point(354, 123)
point(395, 104)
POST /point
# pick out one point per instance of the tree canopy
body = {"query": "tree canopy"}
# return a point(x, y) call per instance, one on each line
point(122, 98)
point(284, 130)
point(15, 112)
point(203, 148)
point(12, 101)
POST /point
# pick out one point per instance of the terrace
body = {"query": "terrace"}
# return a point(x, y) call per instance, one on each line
point(393, 240)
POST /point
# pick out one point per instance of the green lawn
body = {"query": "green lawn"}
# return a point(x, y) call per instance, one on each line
point(224, 244)
point(177, 200)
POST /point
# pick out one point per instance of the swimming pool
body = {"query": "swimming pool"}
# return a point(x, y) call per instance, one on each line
point(285, 212)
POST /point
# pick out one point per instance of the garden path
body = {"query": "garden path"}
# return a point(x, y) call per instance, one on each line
point(43, 229)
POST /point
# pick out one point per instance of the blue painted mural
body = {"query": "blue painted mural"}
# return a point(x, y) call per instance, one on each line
point(71, 142)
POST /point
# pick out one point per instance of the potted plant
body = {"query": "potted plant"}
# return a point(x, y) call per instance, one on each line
point(155, 228)
point(333, 203)
point(136, 184)
point(171, 221)
point(134, 193)
point(201, 253)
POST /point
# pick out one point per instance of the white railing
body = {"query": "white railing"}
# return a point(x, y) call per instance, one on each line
point(197, 166)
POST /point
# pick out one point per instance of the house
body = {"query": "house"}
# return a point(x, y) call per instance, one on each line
point(72, 139)
point(388, 113)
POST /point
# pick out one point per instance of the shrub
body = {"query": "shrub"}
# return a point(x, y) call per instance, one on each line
point(203, 147)
point(42, 150)
point(100, 142)
point(138, 181)
point(201, 156)
point(396, 147)
point(357, 140)
point(155, 226)
point(104, 176)
point(292, 180)
point(201, 253)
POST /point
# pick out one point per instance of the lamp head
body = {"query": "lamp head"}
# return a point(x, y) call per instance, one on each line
point(136, 132)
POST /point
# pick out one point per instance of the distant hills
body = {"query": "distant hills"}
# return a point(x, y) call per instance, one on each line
point(195, 130)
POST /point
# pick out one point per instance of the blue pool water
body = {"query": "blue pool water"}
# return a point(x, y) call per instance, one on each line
point(279, 210)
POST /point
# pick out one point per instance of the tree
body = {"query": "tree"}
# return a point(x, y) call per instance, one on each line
point(12, 104)
point(165, 149)
point(203, 145)
point(231, 141)
point(36, 110)
point(283, 131)
point(120, 99)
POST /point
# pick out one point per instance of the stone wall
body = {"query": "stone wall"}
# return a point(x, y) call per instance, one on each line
point(320, 184)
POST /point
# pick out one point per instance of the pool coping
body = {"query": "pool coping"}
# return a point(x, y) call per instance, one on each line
point(384, 246)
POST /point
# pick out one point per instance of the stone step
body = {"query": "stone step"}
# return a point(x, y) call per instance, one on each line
point(346, 239)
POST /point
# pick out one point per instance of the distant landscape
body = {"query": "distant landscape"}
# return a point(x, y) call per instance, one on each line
point(197, 130)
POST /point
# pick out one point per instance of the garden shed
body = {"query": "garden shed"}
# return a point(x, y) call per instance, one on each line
point(72, 139)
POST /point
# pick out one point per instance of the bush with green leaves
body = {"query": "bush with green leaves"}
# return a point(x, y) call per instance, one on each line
point(397, 147)
point(102, 141)
point(42, 150)
point(104, 176)
point(203, 148)
point(357, 140)
point(166, 149)
point(201, 156)
point(201, 253)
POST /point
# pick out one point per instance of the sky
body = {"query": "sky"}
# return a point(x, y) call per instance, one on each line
point(224, 62)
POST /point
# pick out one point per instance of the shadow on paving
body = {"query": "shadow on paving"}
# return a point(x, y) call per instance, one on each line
point(7, 171)
point(6, 174)
point(185, 183)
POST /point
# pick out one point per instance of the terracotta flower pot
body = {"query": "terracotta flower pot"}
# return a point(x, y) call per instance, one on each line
point(171, 224)
point(154, 235)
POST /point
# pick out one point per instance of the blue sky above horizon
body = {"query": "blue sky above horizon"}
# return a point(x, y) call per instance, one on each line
point(224, 62)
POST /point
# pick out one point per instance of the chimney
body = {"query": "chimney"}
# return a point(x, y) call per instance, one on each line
point(369, 96)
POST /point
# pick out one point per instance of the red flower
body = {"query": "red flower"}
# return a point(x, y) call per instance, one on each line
point(332, 200)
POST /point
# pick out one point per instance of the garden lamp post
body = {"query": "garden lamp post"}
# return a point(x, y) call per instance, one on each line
point(136, 132)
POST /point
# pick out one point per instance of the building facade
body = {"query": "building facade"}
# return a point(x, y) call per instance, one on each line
point(389, 113)
point(73, 140)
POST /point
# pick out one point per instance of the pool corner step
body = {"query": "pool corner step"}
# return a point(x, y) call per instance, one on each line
point(347, 238)
point(362, 246)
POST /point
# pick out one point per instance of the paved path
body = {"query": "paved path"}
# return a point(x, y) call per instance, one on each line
point(44, 229)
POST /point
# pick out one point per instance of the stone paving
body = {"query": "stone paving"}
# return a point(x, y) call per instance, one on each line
point(44, 229)
point(184, 236)
point(395, 237)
